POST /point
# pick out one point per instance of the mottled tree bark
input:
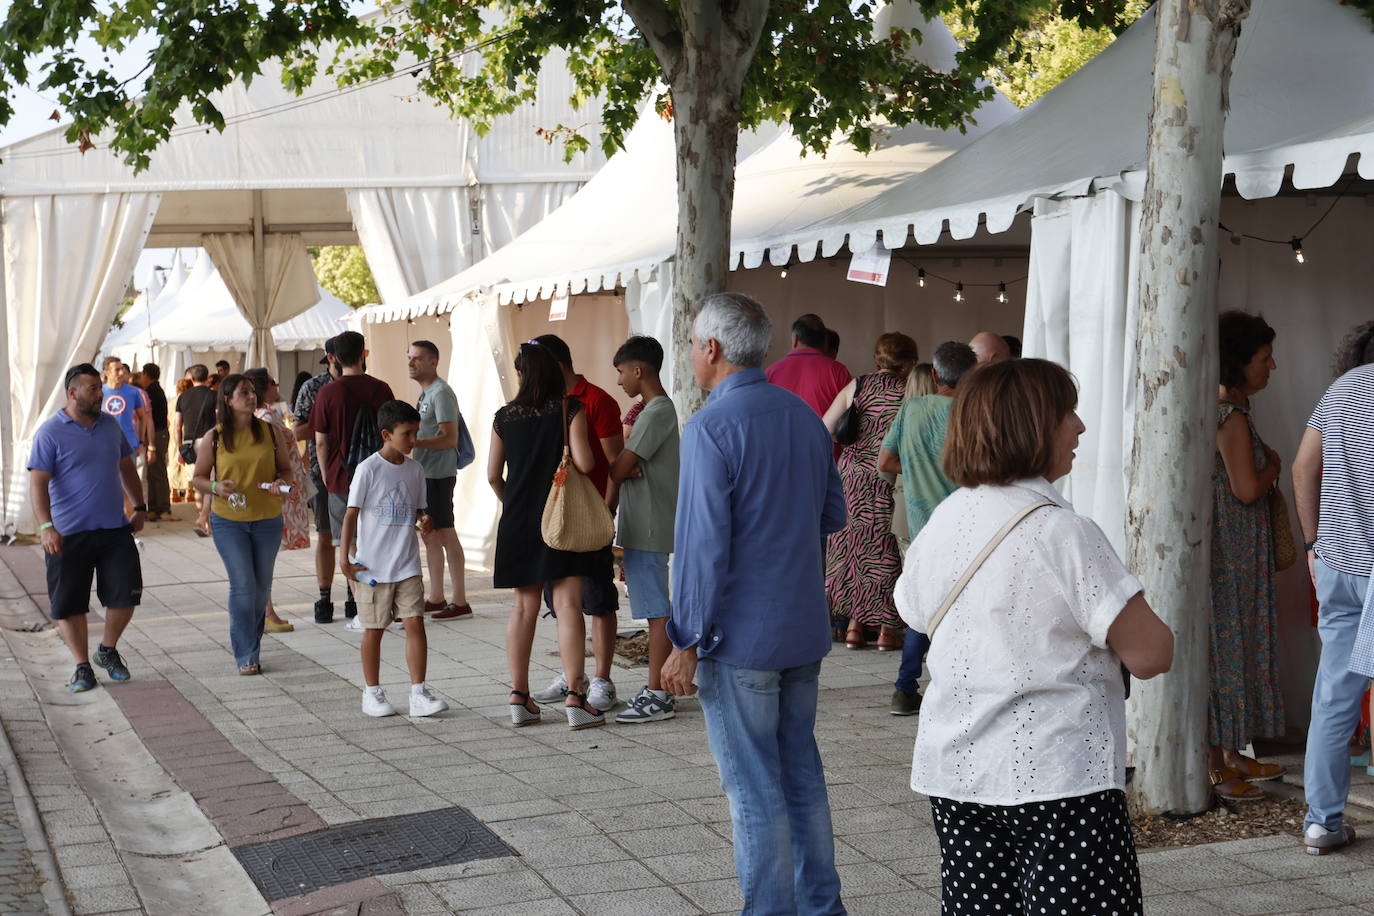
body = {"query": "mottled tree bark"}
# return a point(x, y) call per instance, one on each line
point(1169, 511)
point(705, 48)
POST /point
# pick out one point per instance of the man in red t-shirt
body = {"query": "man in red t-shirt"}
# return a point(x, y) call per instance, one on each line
point(336, 407)
point(806, 371)
point(600, 598)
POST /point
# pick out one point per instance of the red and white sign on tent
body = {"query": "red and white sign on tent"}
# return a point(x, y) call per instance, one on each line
point(558, 308)
point(870, 266)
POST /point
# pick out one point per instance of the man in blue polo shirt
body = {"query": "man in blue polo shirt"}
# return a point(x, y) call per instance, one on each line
point(758, 494)
point(80, 469)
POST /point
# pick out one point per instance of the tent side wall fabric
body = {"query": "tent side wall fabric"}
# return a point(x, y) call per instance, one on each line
point(55, 315)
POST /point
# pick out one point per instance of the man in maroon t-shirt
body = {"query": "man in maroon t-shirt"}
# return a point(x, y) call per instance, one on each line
point(336, 408)
point(806, 371)
point(600, 599)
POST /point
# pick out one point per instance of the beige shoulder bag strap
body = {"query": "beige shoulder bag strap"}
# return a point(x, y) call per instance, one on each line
point(978, 561)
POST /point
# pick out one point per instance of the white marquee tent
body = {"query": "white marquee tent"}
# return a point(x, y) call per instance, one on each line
point(422, 192)
point(201, 317)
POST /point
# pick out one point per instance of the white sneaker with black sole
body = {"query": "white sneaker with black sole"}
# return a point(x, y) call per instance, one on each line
point(647, 707)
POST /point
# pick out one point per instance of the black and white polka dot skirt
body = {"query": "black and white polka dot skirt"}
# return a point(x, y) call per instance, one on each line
point(1065, 857)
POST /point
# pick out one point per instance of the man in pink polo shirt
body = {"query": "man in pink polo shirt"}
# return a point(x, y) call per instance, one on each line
point(806, 371)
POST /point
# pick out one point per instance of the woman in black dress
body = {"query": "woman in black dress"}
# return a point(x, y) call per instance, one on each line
point(525, 450)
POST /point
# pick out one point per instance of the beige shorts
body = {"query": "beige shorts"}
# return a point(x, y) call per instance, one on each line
point(380, 604)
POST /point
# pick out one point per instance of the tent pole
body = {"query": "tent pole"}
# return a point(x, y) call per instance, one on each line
point(7, 415)
point(259, 281)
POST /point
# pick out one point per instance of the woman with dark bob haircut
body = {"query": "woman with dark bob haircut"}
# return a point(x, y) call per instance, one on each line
point(1244, 698)
point(1023, 731)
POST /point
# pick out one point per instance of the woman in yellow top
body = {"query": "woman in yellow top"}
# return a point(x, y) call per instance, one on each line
point(248, 463)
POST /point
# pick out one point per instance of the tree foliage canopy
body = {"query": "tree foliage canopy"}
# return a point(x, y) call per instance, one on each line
point(819, 68)
point(343, 271)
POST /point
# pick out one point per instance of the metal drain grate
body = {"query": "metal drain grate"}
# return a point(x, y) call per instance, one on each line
point(336, 855)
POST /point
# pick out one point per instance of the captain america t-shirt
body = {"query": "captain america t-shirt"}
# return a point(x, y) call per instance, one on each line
point(122, 403)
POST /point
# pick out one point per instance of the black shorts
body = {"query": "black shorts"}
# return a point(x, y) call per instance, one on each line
point(108, 554)
point(439, 501)
point(320, 503)
point(599, 593)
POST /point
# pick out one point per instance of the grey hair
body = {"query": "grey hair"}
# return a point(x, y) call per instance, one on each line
point(739, 324)
point(952, 359)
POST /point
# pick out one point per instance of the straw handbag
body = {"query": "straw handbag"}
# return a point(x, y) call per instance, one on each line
point(575, 516)
point(1281, 530)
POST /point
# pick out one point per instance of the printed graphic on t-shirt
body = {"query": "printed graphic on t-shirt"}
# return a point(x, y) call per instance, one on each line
point(115, 405)
point(394, 508)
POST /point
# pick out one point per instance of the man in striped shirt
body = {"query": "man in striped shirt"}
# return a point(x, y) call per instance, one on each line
point(1333, 484)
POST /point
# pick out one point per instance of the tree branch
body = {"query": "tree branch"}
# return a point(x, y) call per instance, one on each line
point(659, 27)
point(744, 21)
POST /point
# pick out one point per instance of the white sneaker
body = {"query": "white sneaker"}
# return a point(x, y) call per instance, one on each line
point(425, 703)
point(355, 625)
point(1319, 841)
point(554, 693)
point(601, 694)
point(376, 704)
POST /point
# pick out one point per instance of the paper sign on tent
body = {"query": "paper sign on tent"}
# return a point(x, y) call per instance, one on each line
point(558, 308)
point(870, 266)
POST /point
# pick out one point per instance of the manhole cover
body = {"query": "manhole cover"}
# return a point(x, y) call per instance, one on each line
point(336, 855)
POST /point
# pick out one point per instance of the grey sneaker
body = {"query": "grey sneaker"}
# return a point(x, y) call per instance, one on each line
point(1319, 841)
point(905, 704)
point(647, 708)
point(108, 658)
point(554, 693)
point(601, 694)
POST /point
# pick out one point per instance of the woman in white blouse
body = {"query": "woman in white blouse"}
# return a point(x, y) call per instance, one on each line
point(1021, 746)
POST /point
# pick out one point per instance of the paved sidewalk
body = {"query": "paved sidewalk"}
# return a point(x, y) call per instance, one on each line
point(151, 791)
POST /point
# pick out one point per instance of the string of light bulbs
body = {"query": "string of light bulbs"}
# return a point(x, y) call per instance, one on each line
point(922, 275)
point(1295, 241)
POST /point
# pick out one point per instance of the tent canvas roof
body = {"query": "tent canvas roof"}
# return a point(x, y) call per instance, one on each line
point(1302, 97)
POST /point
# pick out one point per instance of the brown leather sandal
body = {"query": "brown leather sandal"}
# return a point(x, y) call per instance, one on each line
point(1252, 770)
point(1229, 786)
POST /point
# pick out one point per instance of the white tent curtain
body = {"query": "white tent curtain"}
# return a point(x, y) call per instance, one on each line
point(290, 279)
point(413, 237)
point(52, 315)
point(1081, 307)
point(507, 210)
point(649, 306)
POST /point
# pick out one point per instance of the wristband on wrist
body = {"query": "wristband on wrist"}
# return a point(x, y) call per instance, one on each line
point(213, 485)
point(1307, 547)
point(141, 507)
point(44, 527)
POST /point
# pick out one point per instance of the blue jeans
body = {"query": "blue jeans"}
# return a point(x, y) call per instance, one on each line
point(249, 551)
point(1335, 697)
point(646, 574)
point(913, 650)
point(784, 844)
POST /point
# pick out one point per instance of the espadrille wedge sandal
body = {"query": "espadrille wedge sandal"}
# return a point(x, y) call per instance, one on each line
point(520, 716)
point(583, 716)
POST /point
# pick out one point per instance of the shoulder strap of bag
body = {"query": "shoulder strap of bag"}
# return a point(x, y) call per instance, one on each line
point(567, 422)
point(977, 563)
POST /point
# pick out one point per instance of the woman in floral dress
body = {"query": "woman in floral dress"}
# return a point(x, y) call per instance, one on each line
point(862, 560)
point(296, 514)
point(1244, 701)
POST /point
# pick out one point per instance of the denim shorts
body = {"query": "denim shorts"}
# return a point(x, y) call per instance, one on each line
point(646, 575)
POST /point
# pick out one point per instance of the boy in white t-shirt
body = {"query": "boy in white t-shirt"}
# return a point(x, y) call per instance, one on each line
point(385, 500)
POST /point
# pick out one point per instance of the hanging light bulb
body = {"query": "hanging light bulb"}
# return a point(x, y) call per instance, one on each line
point(921, 277)
point(1297, 250)
point(959, 291)
point(783, 273)
point(1001, 292)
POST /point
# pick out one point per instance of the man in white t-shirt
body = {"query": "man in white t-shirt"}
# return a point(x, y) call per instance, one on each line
point(386, 498)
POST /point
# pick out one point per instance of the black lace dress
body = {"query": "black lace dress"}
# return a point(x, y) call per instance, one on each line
point(533, 439)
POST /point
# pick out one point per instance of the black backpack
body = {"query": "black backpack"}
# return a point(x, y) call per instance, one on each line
point(365, 441)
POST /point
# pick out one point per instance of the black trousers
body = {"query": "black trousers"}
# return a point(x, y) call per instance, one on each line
point(156, 492)
point(1065, 857)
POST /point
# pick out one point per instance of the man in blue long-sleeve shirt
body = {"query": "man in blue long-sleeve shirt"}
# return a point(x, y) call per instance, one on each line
point(758, 493)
